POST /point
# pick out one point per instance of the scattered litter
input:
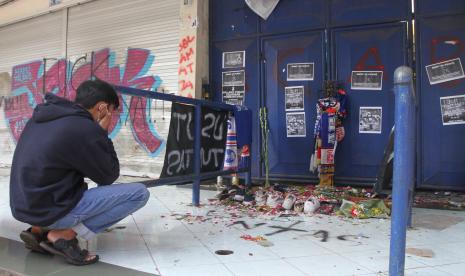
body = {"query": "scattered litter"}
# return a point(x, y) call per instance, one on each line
point(224, 252)
point(311, 205)
point(258, 239)
point(265, 243)
point(372, 208)
point(115, 228)
point(281, 201)
point(426, 253)
point(190, 219)
point(440, 200)
point(250, 238)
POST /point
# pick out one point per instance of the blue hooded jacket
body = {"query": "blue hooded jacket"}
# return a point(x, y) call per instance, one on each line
point(59, 146)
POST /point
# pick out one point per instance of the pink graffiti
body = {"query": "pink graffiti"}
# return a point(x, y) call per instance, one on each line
point(62, 79)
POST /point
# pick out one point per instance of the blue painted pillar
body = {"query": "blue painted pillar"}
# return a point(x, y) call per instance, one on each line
point(404, 167)
point(197, 145)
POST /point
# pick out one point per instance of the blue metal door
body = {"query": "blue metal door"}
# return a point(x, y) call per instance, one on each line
point(251, 96)
point(442, 154)
point(295, 15)
point(231, 19)
point(435, 7)
point(380, 48)
point(347, 13)
point(289, 153)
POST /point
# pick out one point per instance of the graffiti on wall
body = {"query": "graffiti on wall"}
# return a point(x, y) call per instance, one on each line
point(445, 48)
point(369, 61)
point(62, 78)
point(186, 66)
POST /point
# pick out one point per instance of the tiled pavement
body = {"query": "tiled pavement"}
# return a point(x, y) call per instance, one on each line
point(155, 242)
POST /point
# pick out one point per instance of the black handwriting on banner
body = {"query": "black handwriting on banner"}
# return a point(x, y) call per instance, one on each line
point(179, 157)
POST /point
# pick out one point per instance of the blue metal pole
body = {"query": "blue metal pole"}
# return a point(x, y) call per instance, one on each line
point(197, 145)
point(404, 167)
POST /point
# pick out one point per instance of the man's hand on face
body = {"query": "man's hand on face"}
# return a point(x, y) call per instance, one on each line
point(105, 115)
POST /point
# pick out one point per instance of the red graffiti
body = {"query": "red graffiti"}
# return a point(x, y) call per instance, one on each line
point(362, 64)
point(185, 85)
point(25, 78)
point(185, 42)
point(186, 66)
point(183, 69)
point(445, 48)
point(28, 84)
point(55, 79)
point(186, 56)
point(17, 112)
point(282, 57)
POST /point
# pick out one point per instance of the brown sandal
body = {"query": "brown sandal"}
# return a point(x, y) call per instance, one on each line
point(70, 250)
point(32, 241)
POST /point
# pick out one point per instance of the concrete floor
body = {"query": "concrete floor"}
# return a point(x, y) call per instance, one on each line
point(156, 240)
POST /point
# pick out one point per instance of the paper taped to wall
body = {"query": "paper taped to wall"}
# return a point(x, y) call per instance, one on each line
point(262, 7)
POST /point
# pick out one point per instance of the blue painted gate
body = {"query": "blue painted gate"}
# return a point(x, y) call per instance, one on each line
point(290, 156)
point(341, 36)
point(252, 95)
point(374, 48)
point(441, 37)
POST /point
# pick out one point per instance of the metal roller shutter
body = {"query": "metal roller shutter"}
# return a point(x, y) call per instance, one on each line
point(33, 39)
point(119, 25)
point(23, 42)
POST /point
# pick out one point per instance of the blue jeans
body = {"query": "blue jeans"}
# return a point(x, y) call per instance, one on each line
point(103, 206)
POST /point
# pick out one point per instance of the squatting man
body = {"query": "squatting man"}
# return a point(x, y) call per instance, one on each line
point(61, 144)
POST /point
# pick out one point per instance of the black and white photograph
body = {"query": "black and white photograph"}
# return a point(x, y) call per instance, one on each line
point(295, 124)
point(233, 95)
point(370, 119)
point(234, 59)
point(445, 71)
point(234, 78)
point(294, 98)
point(300, 71)
point(366, 80)
point(453, 110)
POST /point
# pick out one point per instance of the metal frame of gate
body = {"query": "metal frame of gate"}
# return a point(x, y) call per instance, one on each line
point(197, 176)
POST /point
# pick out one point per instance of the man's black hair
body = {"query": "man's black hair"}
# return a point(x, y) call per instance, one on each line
point(90, 92)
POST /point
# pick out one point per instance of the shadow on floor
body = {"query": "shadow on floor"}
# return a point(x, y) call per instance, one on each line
point(16, 260)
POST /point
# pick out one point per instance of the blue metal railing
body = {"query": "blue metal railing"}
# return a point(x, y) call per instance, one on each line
point(404, 167)
point(197, 176)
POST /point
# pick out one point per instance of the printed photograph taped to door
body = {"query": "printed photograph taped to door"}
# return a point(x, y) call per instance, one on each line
point(234, 59)
point(300, 71)
point(445, 71)
point(366, 80)
point(233, 78)
point(295, 124)
point(370, 119)
point(453, 110)
point(294, 98)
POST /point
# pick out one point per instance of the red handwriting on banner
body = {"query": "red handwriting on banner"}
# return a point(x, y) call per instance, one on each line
point(445, 48)
point(364, 63)
point(27, 85)
point(186, 66)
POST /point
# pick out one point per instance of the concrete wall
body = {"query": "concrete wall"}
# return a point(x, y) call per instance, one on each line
point(193, 47)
